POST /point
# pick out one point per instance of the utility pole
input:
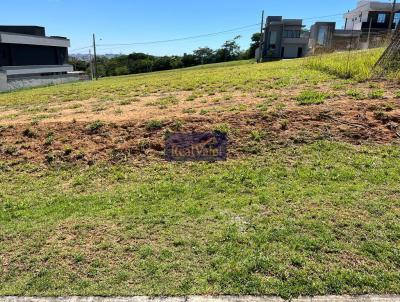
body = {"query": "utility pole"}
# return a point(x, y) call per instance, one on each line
point(260, 49)
point(91, 65)
point(392, 17)
point(369, 33)
point(95, 57)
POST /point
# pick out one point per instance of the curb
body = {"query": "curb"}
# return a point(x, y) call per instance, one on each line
point(366, 298)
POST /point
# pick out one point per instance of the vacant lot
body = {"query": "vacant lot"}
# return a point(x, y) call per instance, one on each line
point(308, 203)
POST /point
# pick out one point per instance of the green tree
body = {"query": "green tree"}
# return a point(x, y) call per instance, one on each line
point(229, 51)
point(255, 43)
point(204, 55)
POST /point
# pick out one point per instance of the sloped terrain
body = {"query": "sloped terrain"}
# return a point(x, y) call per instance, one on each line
point(307, 203)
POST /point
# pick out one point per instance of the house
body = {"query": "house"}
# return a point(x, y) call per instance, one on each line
point(282, 39)
point(324, 37)
point(372, 14)
point(29, 58)
point(366, 26)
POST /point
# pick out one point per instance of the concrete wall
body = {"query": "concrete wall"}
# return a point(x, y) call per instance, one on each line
point(33, 40)
point(35, 81)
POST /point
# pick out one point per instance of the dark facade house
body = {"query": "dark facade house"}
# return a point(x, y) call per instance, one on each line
point(366, 26)
point(283, 39)
point(25, 50)
point(29, 58)
point(372, 14)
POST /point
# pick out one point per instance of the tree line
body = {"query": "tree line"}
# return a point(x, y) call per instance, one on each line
point(141, 63)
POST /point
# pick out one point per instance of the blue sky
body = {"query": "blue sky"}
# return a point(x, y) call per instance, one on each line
point(131, 21)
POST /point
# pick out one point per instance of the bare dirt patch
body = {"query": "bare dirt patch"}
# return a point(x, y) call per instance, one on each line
point(353, 121)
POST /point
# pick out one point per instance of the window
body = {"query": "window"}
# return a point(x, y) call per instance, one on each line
point(291, 34)
point(396, 19)
point(381, 18)
point(322, 35)
point(272, 39)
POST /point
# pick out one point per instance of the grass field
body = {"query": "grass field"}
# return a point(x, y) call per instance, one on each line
point(308, 202)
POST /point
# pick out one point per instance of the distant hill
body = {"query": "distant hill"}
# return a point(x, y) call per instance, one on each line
point(85, 57)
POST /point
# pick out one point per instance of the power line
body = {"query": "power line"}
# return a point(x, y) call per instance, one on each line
point(86, 47)
point(119, 45)
point(183, 39)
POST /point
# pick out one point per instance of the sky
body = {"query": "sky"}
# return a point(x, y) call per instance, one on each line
point(142, 21)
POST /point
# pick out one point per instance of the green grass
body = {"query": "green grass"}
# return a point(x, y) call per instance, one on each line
point(356, 94)
point(355, 64)
point(243, 76)
point(311, 97)
point(316, 219)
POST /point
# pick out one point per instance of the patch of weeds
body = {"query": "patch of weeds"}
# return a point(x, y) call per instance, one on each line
point(311, 97)
point(338, 86)
point(397, 95)
point(67, 150)
point(278, 110)
point(203, 112)
point(145, 251)
point(119, 111)
point(189, 111)
point(284, 124)
point(128, 101)
point(177, 125)
point(153, 125)
point(49, 158)
point(257, 135)
point(377, 94)
point(11, 150)
point(381, 116)
point(387, 107)
point(192, 97)
point(164, 102)
point(80, 155)
point(240, 107)
point(49, 139)
point(222, 129)
point(95, 126)
point(228, 97)
point(29, 133)
point(267, 96)
point(355, 94)
point(98, 108)
point(143, 144)
point(75, 106)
